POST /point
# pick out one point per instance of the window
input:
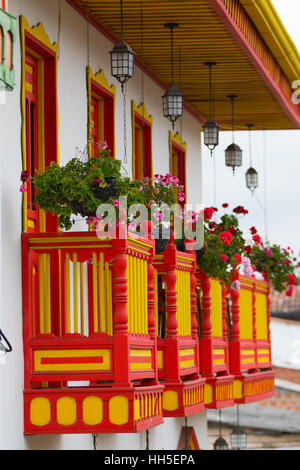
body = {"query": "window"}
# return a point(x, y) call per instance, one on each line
point(141, 142)
point(178, 159)
point(39, 118)
point(101, 105)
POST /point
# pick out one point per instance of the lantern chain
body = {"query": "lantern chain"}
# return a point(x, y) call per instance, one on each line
point(94, 441)
point(180, 85)
point(125, 123)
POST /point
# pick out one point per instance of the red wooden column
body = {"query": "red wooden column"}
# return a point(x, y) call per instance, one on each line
point(120, 315)
point(254, 324)
point(151, 304)
point(224, 322)
point(194, 322)
point(235, 346)
point(172, 347)
point(206, 339)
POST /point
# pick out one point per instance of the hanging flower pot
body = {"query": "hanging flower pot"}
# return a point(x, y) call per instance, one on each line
point(105, 193)
point(162, 238)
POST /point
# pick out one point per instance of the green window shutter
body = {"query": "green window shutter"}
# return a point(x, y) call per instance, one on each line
point(7, 25)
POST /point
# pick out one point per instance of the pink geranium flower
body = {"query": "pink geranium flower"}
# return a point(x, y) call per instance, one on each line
point(23, 188)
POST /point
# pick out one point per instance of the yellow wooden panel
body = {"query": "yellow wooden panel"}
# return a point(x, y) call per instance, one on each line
point(118, 410)
point(216, 309)
point(40, 411)
point(160, 359)
point(246, 314)
point(66, 409)
point(237, 389)
point(208, 394)
point(92, 410)
point(170, 400)
point(261, 316)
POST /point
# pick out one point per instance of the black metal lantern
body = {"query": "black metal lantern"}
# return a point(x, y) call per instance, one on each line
point(238, 437)
point(211, 128)
point(233, 153)
point(251, 174)
point(220, 443)
point(173, 98)
point(122, 58)
point(252, 179)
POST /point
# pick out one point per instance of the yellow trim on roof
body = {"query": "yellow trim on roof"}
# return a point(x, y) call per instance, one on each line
point(271, 28)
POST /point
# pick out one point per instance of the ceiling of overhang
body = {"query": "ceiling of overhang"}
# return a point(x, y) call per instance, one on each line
point(201, 37)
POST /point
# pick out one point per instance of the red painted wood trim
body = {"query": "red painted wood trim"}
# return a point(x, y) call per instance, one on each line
point(72, 360)
point(292, 111)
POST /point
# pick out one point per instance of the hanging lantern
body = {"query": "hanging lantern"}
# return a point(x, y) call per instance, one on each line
point(233, 153)
point(252, 179)
point(233, 156)
point(251, 174)
point(238, 439)
point(173, 98)
point(220, 444)
point(238, 436)
point(211, 128)
point(122, 58)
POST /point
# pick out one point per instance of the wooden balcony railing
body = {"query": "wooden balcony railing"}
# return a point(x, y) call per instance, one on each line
point(88, 315)
point(250, 346)
point(214, 343)
point(114, 339)
point(178, 343)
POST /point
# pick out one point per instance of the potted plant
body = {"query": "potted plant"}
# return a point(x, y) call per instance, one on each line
point(277, 265)
point(159, 195)
point(78, 187)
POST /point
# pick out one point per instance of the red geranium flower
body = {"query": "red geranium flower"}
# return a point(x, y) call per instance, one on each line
point(225, 205)
point(253, 230)
point(225, 237)
point(238, 258)
point(208, 213)
point(224, 258)
point(256, 238)
point(248, 249)
point(240, 210)
point(292, 279)
point(232, 230)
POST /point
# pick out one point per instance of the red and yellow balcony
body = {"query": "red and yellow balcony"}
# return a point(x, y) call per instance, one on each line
point(89, 335)
point(214, 346)
point(250, 345)
point(177, 330)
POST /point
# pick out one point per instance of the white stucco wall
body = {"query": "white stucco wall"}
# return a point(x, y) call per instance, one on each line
point(72, 133)
point(285, 337)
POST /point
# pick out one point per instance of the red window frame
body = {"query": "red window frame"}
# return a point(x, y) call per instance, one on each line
point(42, 131)
point(102, 117)
point(31, 123)
point(178, 164)
point(142, 148)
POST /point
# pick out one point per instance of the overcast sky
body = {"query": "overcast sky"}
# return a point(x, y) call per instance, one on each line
point(282, 173)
